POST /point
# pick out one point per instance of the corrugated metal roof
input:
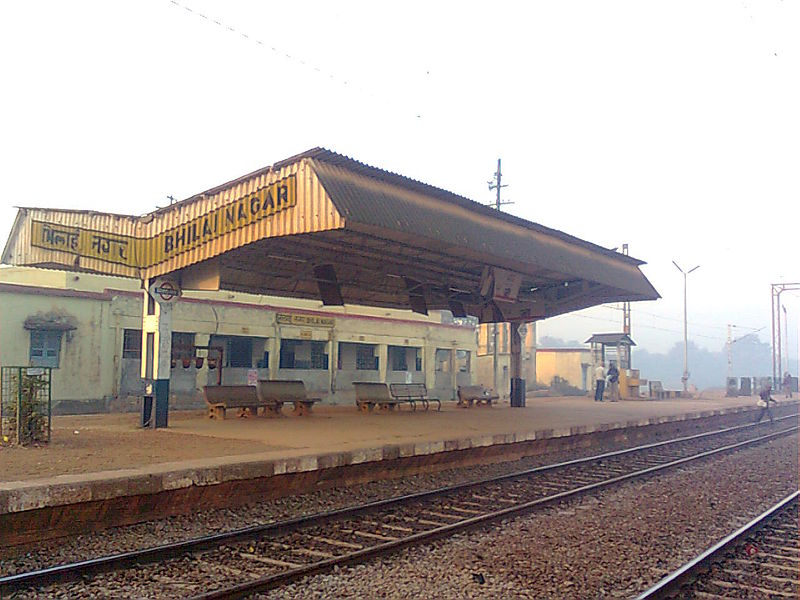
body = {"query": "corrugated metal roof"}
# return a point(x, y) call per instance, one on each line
point(465, 226)
point(610, 338)
point(355, 166)
point(390, 227)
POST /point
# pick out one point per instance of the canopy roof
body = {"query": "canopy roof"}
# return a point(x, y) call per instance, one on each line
point(322, 225)
point(611, 339)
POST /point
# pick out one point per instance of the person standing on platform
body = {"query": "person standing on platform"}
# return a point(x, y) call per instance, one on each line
point(613, 382)
point(599, 382)
point(787, 384)
point(765, 397)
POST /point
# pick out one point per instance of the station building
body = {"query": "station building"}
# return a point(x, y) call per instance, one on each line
point(88, 328)
point(326, 229)
point(493, 368)
point(573, 365)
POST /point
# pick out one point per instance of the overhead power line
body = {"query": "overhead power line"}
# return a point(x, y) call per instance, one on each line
point(692, 323)
point(277, 51)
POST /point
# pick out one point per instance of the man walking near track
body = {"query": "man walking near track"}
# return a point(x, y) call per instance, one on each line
point(787, 384)
point(765, 399)
point(599, 382)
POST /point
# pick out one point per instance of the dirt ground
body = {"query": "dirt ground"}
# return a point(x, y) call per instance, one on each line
point(80, 444)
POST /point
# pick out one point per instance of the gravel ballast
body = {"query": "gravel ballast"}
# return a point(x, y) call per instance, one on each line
point(612, 545)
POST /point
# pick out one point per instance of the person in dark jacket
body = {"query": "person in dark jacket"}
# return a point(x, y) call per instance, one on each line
point(613, 382)
point(787, 384)
point(765, 399)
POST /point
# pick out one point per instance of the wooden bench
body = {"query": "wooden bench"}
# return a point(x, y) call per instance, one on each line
point(278, 391)
point(413, 393)
point(244, 397)
point(475, 394)
point(369, 395)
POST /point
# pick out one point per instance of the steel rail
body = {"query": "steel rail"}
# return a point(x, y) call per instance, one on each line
point(72, 571)
point(671, 585)
point(272, 581)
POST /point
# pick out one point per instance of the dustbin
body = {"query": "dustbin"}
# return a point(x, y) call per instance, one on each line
point(517, 392)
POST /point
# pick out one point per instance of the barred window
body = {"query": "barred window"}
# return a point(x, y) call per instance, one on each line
point(45, 349)
point(365, 358)
point(132, 343)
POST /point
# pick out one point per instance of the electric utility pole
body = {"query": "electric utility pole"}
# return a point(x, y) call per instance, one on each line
point(496, 184)
point(685, 378)
point(777, 344)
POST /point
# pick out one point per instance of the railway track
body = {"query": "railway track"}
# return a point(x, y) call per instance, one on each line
point(238, 563)
point(759, 560)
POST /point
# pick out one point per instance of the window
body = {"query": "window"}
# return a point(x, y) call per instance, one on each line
point(462, 361)
point(45, 348)
point(302, 354)
point(132, 343)
point(365, 358)
point(443, 360)
point(398, 360)
point(240, 352)
point(400, 357)
point(182, 345)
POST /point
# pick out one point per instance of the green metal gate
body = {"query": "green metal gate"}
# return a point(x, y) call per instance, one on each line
point(25, 404)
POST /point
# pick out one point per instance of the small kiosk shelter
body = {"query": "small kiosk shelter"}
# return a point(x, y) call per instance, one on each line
point(324, 226)
point(616, 347)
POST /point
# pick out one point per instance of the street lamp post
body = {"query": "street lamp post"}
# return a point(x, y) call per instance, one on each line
point(685, 378)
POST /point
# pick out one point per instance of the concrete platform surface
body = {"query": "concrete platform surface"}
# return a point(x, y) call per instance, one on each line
point(110, 442)
point(102, 470)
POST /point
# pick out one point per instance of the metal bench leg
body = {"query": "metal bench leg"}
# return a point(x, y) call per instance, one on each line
point(302, 409)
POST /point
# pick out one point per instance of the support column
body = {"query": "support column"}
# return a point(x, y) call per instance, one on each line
point(453, 372)
point(517, 383)
point(333, 362)
point(156, 359)
point(429, 365)
point(383, 358)
point(201, 375)
point(274, 344)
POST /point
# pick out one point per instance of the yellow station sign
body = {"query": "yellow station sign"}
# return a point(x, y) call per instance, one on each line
point(146, 252)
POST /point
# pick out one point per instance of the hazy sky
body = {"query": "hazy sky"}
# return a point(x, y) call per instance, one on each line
point(672, 126)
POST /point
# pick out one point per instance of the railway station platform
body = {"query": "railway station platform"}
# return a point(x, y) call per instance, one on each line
point(102, 470)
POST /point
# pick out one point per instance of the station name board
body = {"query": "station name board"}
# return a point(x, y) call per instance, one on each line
point(145, 252)
point(288, 319)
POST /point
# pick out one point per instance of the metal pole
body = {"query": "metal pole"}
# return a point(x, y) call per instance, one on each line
point(780, 341)
point(786, 337)
point(730, 352)
point(772, 301)
point(494, 356)
point(499, 177)
point(685, 377)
